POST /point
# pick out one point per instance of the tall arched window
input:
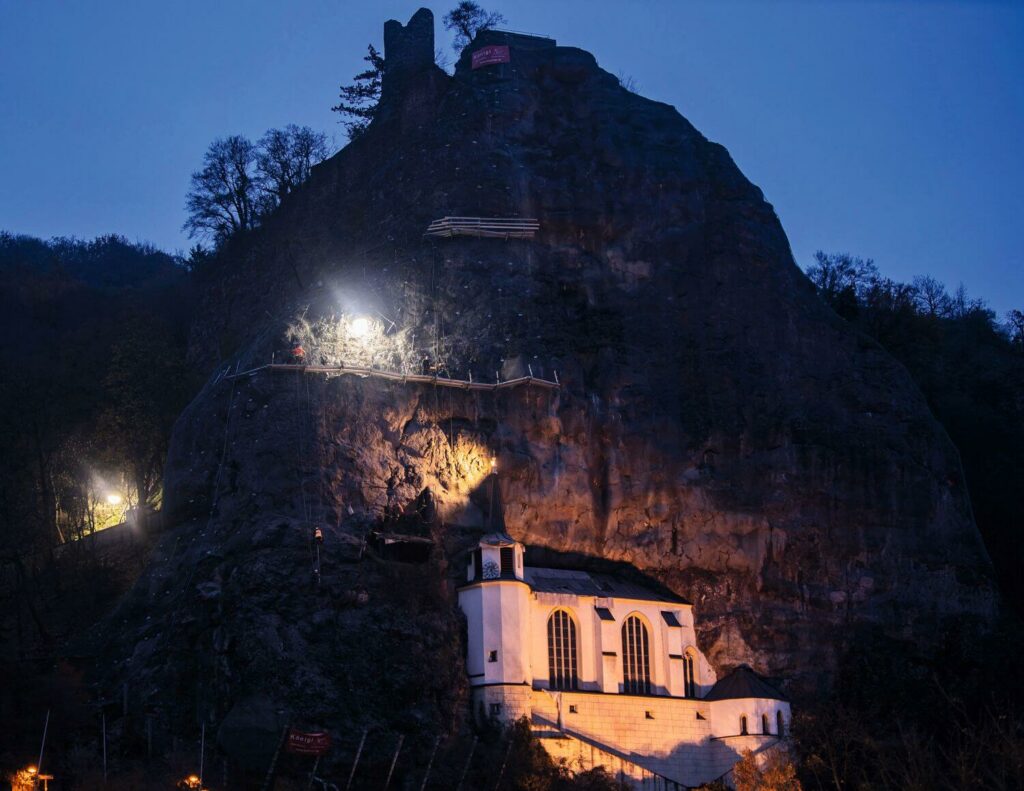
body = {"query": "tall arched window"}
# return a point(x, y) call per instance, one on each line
point(561, 651)
point(764, 724)
point(636, 662)
point(743, 725)
point(689, 676)
point(780, 724)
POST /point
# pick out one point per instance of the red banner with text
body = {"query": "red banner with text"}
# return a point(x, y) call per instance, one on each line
point(488, 56)
point(316, 743)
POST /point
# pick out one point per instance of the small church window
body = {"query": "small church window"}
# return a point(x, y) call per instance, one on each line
point(689, 676)
point(780, 724)
point(764, 724)
point(561, 651)
point(495, 709)
point(636, 663)
point(507, 556)
point(743, 725)
point(477, 564)
point(492, 656)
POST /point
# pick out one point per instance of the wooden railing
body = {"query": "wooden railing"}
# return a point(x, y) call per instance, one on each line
point(488, 227)
point(394, 376)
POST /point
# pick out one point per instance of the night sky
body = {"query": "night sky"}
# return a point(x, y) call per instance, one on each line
point(887, 130)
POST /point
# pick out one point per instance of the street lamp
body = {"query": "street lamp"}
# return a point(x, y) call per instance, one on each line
point(361, 327)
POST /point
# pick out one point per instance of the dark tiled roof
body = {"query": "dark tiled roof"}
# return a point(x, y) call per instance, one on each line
point(498, 540)
point(585, 583)
point(743, 683)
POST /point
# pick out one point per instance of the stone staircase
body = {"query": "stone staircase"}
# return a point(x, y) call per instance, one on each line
point(580, 753)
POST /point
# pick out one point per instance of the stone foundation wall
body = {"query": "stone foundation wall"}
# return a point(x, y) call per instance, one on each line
point(637, 736)
point(513, 701)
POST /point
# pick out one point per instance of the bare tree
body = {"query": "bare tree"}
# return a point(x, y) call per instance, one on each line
point(285, 158)
point(628, 82)
point(224, 198)
point(836, 273)
point(357, 103)
point(931, 297)
point(1015, 324)
point(961, 305)
point(467, 19)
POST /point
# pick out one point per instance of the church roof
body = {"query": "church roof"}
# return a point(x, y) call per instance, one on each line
point(586, 583)
point(498, 540)
point(743, 683)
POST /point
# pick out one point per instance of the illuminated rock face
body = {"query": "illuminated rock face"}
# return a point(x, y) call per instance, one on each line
point(718, 427)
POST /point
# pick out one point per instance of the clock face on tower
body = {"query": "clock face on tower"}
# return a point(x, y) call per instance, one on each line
point(491, 570)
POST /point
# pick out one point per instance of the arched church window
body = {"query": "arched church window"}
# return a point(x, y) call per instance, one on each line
point(689, 675)
point(764, 724)
point(780, 724)
point(743, 725)
point(636, 662)
point(561, 651)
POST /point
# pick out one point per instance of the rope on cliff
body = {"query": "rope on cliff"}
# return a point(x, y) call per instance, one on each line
point(224, 450)
point(215, 497)
point(301, 415)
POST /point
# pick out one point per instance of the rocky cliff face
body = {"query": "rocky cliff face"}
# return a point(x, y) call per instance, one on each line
point(717, 426)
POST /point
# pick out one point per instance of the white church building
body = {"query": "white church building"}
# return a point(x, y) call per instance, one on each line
point(607, 672)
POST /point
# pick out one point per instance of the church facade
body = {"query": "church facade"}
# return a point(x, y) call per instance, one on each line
point(607, 672)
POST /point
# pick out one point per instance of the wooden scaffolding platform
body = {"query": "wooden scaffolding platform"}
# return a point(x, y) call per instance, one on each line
point(487, 227)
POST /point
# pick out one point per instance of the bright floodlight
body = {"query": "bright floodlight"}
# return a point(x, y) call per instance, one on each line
point(361, 327)
point(114, 498)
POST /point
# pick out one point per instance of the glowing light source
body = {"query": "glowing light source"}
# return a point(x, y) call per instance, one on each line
point(494, 463)
point(32, 769)
point(113, 498)
point(361, 327)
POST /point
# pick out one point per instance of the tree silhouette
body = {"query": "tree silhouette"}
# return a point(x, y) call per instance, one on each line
point(467, 19)
point(224, 198)
point(357, 103)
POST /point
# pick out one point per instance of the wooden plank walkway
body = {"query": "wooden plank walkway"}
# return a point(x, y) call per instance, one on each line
point(439, 381)
point(488, 227)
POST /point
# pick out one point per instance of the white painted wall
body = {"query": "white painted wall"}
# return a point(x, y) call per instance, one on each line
point(507, 617)
point(689, 740)
point(725, 716)
point(597, 638)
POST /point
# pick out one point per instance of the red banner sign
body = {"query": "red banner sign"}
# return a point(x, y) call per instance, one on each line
point(308, 743)
point(488, 56)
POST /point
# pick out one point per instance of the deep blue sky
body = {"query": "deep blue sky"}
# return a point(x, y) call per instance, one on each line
point(889, 130)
